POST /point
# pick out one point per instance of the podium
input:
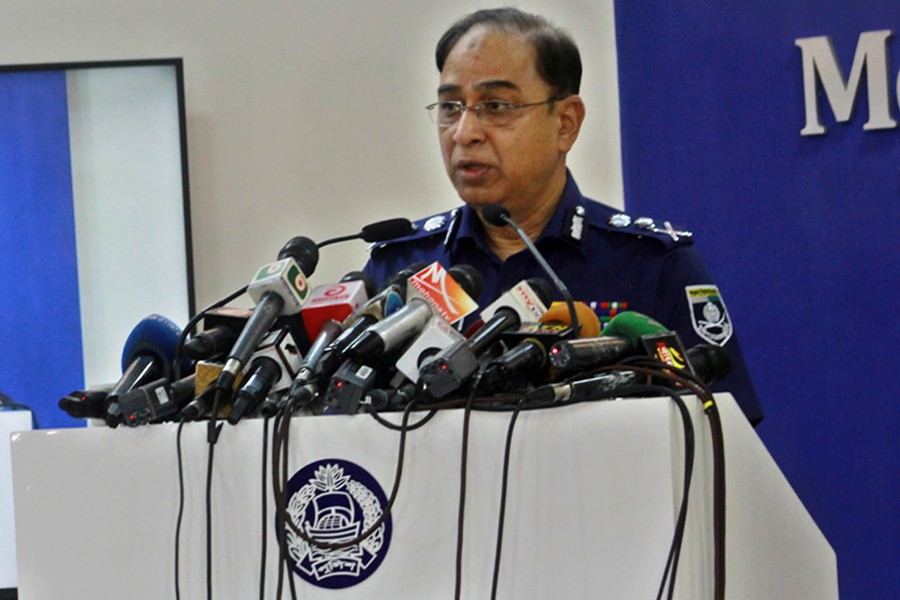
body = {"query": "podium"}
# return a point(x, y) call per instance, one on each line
point(594, 491)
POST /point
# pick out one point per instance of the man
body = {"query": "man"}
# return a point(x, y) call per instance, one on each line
point(508, 112)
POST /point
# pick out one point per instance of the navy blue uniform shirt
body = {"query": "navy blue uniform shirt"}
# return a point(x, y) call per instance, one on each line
point(607, 260)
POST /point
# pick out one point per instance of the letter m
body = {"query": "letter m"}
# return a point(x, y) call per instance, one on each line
point(819, 60)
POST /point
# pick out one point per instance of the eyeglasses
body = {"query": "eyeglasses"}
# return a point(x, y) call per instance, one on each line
point(492, 113)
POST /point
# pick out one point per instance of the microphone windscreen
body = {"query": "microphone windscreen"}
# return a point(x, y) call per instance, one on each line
point(367, 280)
point(632, 325)
point(154, 335)
point(710, 363)
point(495, 215)
point(386, 230)
point(559, 313)
point(304, 251)
point(468, 278)
point(541, 288)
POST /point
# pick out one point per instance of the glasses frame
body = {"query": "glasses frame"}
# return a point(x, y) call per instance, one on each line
point(478, 108)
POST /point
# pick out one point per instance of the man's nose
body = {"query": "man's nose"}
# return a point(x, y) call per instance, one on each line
point(469, 128)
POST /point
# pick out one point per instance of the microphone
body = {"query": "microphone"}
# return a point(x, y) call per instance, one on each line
point(620, 338)
point(446, 371)
point(278, 288)
point(305, 386)
point(147, 355)
point(221, 328)
point(85, 404)
point(335, 301)
point(712, 363)
point(498, 216)
point(584, 389)
point(432, 290)
point(381, 231)
point(156, 400)
point(273, 366)
point(527, 361)
point(385, 303)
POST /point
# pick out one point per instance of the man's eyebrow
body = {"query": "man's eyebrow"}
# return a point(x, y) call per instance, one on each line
point(490, 85)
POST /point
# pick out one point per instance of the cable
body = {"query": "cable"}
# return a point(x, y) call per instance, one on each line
point(180, 510)
point(501, 517)
point(212, 437)
point(265, 512)
point(460, 522)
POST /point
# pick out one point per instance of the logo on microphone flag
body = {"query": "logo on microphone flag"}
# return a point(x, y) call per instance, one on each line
point(334, 501)
point(447, 297)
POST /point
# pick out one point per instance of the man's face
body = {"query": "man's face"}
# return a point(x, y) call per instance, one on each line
point(520, 164)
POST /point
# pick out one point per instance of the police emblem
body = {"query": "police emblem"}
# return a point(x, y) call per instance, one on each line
point(708, 314)
point(335, 501)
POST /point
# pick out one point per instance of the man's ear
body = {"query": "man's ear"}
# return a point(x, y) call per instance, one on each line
point(571, 116)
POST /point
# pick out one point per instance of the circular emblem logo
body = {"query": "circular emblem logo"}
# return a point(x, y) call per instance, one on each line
point(299, 282)
point(336, 290)
point(335, 501)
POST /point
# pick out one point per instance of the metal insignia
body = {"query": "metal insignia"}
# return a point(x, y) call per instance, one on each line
point(620, 220)
point(576, 225)
point(648, 224)
point(708, 314)
point(434, 223)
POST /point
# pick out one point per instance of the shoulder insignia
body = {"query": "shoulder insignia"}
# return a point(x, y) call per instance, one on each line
point(620, 220)
point(422, 229)
point(663, 231)
point(648, 224)
point(434, 223)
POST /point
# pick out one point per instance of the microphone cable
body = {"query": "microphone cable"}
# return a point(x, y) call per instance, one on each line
point(700, 389)
point(504, 485)
point(178, 521)
point(464, 460)
point(264, 530)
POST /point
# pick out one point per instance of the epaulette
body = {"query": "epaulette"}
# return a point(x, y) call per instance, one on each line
point(443, 224)
point(662, 231)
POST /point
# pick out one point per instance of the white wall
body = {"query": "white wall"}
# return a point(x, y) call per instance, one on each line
point(305, 117)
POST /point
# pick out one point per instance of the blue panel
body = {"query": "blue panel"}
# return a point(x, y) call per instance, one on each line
point(40, 323)
point(800, 233)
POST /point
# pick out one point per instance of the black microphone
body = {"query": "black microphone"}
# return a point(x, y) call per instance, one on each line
point(221, 328)
point(446, 371)
point(381, 231)
point(498, 216)
point(711, 363)
point(305, 386)
point(85, 404)
point(619, 339)
point(527, 361)
point(155, 401)
point(583, 389)
point(262, 374)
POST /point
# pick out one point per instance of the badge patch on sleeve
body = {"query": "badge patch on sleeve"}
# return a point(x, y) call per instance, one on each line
point(708, 314)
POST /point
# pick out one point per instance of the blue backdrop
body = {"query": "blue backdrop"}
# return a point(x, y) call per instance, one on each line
point(798, 231)
point(40, 320)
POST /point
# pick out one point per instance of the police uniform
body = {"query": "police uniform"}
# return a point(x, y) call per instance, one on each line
point(607, 259)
